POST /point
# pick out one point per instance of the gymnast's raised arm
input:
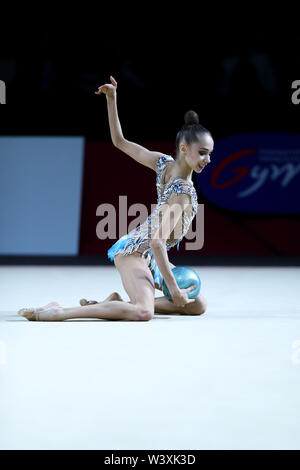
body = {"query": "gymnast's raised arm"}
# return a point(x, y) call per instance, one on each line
point(137, 152)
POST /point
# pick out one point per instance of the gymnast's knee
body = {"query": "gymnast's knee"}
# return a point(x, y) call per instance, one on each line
point(198, 307)
point(144, 313)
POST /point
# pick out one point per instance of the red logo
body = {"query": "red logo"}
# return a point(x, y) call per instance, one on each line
point(240, 170)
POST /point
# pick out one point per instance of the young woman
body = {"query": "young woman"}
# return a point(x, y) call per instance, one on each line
point(141, 255)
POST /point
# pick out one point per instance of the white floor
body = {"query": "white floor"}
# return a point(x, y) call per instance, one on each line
point(229, 379)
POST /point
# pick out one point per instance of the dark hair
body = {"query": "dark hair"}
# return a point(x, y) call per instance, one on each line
point(190, 130)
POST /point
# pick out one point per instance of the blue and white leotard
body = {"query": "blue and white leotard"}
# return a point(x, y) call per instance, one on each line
point(139, 238)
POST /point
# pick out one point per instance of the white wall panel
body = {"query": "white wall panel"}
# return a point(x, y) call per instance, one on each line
point(40, 195)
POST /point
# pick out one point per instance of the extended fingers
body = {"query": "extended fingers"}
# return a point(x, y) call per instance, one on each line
point(101, 89)
point(188, 289)
point(113, 81)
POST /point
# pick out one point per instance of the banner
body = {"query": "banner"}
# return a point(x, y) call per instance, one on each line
point(254, 173)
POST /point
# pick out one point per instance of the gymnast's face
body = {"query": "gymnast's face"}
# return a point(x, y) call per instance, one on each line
point(197, 155)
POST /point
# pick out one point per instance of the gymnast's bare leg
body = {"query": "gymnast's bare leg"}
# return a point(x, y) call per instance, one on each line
point(163, 304)
point(138, 283)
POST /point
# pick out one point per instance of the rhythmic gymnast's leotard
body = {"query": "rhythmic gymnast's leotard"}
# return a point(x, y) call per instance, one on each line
point(138, 239)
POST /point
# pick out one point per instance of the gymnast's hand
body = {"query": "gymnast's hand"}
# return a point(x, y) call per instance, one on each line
point(180, 296)
point(108, 89)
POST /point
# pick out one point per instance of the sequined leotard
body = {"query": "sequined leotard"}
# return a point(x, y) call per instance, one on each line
point(139, 238)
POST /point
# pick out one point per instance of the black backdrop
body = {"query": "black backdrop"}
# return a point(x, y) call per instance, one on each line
point(237, 77)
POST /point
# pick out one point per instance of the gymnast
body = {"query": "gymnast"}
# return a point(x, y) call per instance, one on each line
point(141, 256)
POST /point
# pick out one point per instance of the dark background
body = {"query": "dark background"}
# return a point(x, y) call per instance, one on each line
point(162, 70)
point(237, 77)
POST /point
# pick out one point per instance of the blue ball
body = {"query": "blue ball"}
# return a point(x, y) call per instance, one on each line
point(185, 277)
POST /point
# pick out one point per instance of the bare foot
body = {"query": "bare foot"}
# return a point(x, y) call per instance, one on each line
point(84, 302)
point(113, 296)
point(50, 312)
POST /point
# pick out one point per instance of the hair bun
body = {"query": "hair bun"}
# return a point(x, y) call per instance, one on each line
point(191, 118)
